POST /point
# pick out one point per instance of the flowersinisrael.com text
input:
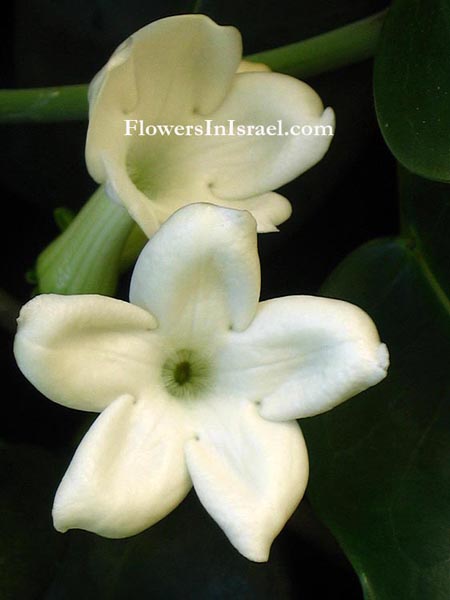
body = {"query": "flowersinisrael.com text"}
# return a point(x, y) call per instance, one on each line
point(231, 128)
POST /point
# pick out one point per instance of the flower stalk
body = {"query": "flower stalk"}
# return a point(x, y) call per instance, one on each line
point(328, 51)
point(334, 49)
point(85, 258)
point(44, 105)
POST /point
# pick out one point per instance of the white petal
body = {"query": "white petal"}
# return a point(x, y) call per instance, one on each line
point(248, 66)
point(303, 355)
point(250, 474)
point(163, 73)
point(112, 96)
point(186, 54)
point(268, 210)
point(122, 190)
point(249, 165)
point(232, 169)
point(128, 472)
point(178, 71)
point(200, 274)
point(84, 351)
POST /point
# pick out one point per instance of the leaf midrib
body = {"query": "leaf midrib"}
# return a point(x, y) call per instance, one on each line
point(411, 242)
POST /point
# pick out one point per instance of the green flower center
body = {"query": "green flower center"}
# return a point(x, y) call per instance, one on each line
point(186, 374)
point(182, 373)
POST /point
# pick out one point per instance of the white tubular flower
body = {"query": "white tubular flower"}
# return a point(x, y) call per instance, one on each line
point(183, 71)
point(198, 383)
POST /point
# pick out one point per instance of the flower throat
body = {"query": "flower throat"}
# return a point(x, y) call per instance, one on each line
point(185, 374)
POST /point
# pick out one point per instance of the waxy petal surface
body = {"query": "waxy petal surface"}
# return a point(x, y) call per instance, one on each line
point(85, 351)
point(303, 355)
point(250, 474)
point(128, 472)
point(200, 274)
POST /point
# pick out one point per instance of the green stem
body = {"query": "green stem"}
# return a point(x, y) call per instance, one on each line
point(347, 45)
point(343, 46)
point(85, 259)
point(42, 105)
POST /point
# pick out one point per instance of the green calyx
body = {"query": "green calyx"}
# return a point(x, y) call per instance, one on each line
point(87, 257)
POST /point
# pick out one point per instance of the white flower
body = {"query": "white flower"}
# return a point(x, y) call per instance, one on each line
point(183, 70)
point(197, 383)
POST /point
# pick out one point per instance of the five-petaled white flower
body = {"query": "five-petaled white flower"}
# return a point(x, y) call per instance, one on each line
point(197, 383)
point(180, 71)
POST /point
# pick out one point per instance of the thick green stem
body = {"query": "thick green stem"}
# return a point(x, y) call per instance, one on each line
point(86, 257)
point(338, 48)
point(343, 46)
point(42, 105)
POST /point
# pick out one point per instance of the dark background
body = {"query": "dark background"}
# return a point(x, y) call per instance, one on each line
point(349, 198)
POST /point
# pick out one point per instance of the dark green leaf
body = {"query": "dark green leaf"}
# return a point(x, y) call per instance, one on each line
point(380, 463)
point(426, 223)
point(412, 85)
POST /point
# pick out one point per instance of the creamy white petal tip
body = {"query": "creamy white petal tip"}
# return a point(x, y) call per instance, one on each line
point(250, 493)
point(128, 472)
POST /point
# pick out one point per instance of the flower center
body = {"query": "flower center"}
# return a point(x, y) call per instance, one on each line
point(182, 372)
point(186, 374)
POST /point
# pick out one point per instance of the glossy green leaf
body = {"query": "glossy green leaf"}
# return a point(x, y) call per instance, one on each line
point(29, 546)
point(380, 463)
point(425, 221)
point(412, 85)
